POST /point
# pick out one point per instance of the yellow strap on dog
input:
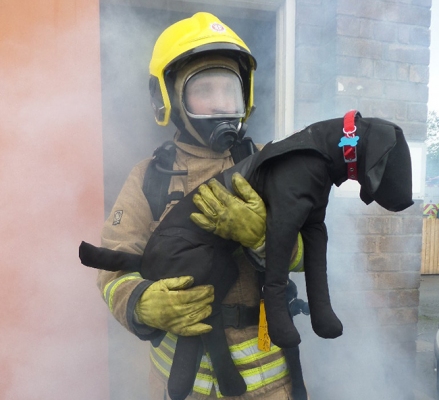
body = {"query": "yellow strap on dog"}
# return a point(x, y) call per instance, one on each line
point(264, 341)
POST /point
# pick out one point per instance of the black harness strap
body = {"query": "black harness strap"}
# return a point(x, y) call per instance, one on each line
point(243, 149)
point(239, 316)
point(158, 178)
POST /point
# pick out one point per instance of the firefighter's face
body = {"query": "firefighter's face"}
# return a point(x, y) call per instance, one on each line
point(213, 93)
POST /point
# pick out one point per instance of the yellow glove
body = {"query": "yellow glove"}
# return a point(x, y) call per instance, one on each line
point(167, 306)
point(241, 219)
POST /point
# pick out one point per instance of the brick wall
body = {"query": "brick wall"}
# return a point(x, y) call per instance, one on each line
point(373, 56)
point(315, 58)
point(379, 254)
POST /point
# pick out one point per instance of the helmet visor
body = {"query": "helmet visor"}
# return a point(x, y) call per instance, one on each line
point(214, 93)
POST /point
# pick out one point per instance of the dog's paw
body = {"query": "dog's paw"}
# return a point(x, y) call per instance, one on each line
point(327, 327)
point(285, 336)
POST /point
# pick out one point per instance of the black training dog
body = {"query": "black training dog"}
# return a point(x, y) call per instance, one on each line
point(294, 177)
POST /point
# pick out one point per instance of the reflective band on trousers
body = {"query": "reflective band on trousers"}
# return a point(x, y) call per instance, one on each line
point(242, 354)
point(111, 287)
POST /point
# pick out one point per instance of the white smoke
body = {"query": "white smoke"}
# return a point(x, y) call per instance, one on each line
point(53, 335)
point(367, 361)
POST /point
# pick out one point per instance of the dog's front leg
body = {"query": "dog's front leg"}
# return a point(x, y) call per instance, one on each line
point(323, 319)
point(281, 328)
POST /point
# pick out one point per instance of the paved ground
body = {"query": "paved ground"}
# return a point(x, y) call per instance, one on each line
point(427, 328)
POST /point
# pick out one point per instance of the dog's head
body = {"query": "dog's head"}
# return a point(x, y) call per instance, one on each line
point(383, 157)
point(384, 164)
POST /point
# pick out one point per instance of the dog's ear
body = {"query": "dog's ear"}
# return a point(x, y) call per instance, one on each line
point(387, 167)
point(379, 139)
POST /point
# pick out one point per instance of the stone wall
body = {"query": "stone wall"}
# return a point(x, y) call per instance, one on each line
point(372, 56)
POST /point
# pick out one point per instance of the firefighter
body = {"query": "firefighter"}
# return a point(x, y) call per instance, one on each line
point(201, 78)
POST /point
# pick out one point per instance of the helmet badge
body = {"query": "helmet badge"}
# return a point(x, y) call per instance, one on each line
point(216, 27)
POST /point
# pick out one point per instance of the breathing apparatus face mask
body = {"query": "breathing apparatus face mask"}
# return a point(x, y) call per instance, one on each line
point(214, 104)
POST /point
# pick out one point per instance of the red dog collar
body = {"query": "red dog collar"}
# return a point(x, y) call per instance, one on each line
point(349, 143)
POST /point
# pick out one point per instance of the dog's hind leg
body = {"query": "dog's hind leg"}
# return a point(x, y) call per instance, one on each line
point(324, 321)
point(230, 381)
point(184, 366)
point(224, 274)
point(292, 355)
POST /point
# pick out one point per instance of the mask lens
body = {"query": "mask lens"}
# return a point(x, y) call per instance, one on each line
point(213, 93)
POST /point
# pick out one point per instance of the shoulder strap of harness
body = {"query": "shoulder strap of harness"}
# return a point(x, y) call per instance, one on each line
point(158, 177)
point(159, 173)
point(243, 149)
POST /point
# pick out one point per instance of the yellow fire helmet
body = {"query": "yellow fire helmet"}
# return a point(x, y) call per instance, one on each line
point(201, 33)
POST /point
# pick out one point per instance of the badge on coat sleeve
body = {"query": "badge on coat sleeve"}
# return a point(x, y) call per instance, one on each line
point(117, 217)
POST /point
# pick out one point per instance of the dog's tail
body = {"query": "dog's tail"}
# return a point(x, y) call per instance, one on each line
point(109, 260)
